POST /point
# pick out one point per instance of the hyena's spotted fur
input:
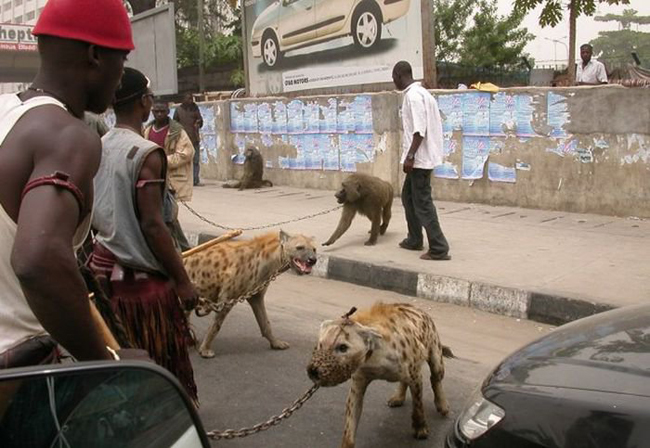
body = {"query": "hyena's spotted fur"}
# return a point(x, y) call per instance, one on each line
point(230, 269)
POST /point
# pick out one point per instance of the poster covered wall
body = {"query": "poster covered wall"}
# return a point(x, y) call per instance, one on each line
point(295, 45)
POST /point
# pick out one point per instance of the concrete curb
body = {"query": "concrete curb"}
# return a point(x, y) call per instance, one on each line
point(512, 302)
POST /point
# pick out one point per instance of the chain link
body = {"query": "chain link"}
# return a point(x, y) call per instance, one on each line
point(273, 421)
point(205, 307)
point(220, 226)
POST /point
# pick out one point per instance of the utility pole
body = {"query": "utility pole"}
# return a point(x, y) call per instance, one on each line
point(428, 44)
point(199, 27)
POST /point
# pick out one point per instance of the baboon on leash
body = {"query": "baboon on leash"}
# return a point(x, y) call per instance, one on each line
point(253, 172)
point(368, 195)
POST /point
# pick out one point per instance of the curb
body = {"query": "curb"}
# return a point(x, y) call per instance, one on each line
point(506, 301)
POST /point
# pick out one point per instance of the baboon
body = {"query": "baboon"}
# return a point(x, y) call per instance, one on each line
point(368, 195)
point(253, 172)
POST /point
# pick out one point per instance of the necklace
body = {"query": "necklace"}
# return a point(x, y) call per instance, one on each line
point(55, 96)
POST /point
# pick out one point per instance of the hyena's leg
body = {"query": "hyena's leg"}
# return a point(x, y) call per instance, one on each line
point(204, 349)
point(437, 367)
point(259, 309)
point(353, 408)
point(420, 429)
point(398, 398)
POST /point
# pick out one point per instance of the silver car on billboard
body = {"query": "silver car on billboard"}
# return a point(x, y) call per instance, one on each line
point(290, 24)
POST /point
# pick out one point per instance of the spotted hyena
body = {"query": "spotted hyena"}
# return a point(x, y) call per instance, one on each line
point(388, 342)
point(230, 269)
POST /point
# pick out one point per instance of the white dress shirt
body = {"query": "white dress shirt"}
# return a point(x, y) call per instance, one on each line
point(420, 114)
point(593, 73)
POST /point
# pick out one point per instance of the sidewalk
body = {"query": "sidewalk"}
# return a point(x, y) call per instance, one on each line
point(548, 266)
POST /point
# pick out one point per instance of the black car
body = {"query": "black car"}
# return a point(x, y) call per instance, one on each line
point(586, 385)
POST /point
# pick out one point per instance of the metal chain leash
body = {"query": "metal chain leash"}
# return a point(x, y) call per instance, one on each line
point(220, 226)
point(273, 421)
point(205, 307)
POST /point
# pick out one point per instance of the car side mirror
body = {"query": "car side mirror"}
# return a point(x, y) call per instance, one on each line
point(99, 404)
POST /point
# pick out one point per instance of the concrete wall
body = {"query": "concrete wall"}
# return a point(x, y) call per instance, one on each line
point(584, 149)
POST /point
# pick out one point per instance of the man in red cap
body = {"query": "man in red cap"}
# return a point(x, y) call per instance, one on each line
point(48, 158)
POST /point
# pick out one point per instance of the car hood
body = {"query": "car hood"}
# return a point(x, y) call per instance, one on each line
point(609, 352)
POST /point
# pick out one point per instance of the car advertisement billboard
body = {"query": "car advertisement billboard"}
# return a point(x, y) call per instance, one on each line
point(295, 45)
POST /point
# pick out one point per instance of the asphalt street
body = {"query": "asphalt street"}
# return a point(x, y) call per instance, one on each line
point(247, 382)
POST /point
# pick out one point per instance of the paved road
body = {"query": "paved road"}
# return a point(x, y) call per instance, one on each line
point(247, 382)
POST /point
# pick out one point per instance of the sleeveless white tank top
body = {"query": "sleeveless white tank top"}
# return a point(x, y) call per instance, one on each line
point(17, 321)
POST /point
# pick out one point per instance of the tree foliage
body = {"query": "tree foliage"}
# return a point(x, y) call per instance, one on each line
point(471, 32)
point(552, 13)
point(614, 48)
point(493, 40)
point(450, 21)
point(553, 10)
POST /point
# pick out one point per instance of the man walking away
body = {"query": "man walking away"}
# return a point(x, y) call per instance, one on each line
point(590, 72)
point(48, 158)
point(134, 255)
point(422, 150)
point(189, 115)
point(170, 135)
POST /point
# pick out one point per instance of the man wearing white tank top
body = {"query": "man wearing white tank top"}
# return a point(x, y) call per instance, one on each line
point(48, 158)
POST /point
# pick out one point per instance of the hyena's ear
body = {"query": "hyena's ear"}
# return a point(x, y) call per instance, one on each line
point(284, 236)
point(370, 336)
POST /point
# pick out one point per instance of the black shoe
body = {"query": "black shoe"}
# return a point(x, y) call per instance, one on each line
point(405, 244)
point(430, 256)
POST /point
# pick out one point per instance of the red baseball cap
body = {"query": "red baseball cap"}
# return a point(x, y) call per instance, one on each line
point(99, 22)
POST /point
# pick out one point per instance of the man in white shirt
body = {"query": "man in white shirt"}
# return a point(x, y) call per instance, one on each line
point(422, 150)
point(590, 72)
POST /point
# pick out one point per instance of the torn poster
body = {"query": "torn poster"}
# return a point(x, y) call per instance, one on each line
point(500, 173)
point(475, 153)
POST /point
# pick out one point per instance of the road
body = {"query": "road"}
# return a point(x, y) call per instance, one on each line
point(247, 382)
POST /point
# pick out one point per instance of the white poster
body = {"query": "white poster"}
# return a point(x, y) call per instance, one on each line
point(298, 45)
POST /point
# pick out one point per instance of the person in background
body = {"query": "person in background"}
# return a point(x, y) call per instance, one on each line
point(134, 256)
point(421, 151)
point(189, 115)
point(590, 72)
point(170, 135)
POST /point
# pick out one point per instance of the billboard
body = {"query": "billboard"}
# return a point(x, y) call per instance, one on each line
point(295, 45)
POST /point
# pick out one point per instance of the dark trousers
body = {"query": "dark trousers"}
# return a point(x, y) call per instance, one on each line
point(420, 212)
point(196, 163)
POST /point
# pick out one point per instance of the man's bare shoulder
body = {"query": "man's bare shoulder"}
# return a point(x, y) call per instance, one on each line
point(53, 130)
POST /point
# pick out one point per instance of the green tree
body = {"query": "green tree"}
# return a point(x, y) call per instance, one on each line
point(552, 13)
point(494, 40)
point(614, 48)
point(450, 21)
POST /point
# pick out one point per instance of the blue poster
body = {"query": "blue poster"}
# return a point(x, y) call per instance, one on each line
point(362, 109)
point(295, 123)
point(329, 113)
point(475, 154)
point(311, 117)
point(500, 173)
point(449, 144)
point(250, 118)
point(525, 111)
point(265, 118)
point(557, 114)
point(503, 117)
point(451, 108)
point(446, 171)
point(279, 118)
point(236, 117)
point(476, 113)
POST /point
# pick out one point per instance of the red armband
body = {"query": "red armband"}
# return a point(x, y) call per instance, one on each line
point(61, 180)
